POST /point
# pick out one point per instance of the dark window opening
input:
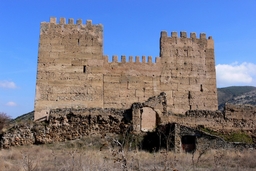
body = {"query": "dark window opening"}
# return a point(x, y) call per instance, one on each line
point(188, 143)
point(201, 88)
point(84, 69)
point(189, 95)
point(78, 41)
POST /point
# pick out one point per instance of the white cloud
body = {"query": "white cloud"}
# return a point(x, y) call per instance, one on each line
point(236, 74)
point(11, 104)
point(7, 84)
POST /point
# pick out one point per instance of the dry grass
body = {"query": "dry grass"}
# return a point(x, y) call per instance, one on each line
point(56, 157)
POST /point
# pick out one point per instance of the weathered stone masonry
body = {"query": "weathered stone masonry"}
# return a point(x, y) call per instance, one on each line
point(73, 72)
point(72, 124)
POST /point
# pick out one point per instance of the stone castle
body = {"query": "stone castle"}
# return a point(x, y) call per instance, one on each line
point(171, 102)
point(73, 72)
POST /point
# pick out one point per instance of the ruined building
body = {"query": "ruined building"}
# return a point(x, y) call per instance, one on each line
point(73, 72)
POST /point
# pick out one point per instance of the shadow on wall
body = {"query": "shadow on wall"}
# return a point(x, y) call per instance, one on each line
point(127, 116)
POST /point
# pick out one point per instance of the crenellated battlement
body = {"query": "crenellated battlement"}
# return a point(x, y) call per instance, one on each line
point(83, 39)
point(66, 27)
point(134, 60)
point(62, 21)
point(183, 34)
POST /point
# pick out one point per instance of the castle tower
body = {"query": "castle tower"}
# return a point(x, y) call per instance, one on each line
point(188, 72)
point(70, 61)
point(73, 73)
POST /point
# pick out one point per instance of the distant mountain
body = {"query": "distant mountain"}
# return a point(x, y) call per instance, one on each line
point(236, 95)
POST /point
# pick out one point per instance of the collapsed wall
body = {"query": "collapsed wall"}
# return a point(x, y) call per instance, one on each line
point(147, 119)
point(68, 124)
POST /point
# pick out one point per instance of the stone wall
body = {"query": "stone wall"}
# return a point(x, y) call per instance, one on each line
point(188, 72)
point(148, 115)
point(68, 124)
point(240, 111)
point(69, 66)
point(148, 118)
point(215, 120)
point(73, 72)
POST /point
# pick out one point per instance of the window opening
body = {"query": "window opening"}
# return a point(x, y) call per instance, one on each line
point(84, 70)
point(188, 143)
point(189, 95)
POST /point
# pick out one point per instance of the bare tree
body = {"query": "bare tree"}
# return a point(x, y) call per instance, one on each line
point(29, 162)
point(4, 120)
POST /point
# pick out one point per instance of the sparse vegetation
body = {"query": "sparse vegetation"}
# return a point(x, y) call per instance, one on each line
point(235, 136)
point(44, 158)
point(4, 120)
point(239, 137)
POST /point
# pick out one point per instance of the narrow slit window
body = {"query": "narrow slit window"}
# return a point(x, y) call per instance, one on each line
point(84, 69)
point(189, 95)
point(201, 88)
point(78, 42)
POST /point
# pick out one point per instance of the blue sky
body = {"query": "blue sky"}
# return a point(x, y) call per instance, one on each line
point(131, 28)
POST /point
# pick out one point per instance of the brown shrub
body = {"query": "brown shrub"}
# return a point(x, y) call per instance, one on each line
point(4, 120)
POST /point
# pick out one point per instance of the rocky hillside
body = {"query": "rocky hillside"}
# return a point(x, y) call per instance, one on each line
point(236, 95)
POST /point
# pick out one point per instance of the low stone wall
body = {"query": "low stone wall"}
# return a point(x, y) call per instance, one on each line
point(205, 114)
point(240, 111)
point(218, 120)
point(67, 124)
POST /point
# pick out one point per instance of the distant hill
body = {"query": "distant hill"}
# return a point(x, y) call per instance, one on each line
point(236, 95)
point(23, 118)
